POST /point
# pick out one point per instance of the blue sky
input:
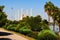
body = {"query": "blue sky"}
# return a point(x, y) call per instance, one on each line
point(36, 5)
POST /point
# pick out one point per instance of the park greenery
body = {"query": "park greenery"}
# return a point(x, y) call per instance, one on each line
point(31, 26)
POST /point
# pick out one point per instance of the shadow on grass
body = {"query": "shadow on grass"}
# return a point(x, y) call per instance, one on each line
point(5, 33)
point(5, 39)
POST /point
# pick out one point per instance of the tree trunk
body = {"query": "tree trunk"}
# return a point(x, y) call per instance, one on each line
point(54, 25)
point(59, 27)
point(48, 19)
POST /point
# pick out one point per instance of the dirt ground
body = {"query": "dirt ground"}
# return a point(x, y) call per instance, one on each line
point(7, 35)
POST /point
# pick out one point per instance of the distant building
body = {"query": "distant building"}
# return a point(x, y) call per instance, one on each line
point(24, 16)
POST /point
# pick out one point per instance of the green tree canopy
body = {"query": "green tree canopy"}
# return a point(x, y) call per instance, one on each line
point(53, 11)
point(3, 16)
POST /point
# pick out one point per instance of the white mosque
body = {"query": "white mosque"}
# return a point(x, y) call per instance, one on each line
point(23, 13)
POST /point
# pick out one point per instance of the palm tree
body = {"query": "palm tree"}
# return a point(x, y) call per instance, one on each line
point(54, 15)
point(58, 18)
point(49, 9)
point(54, 12)
point(46, 10)
point(59, 25)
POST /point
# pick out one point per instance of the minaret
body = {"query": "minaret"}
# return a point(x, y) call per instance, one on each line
point(25, 14)
point(18, 15)
point(12, 15)
point(15, 16)
point(30, 11)
point(21, 12)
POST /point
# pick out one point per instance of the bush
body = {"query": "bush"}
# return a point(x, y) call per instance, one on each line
point(46, 27)
point(9, 27)
point(58, 37)
point(47, 35)
point(33, 34)
point(25, 30)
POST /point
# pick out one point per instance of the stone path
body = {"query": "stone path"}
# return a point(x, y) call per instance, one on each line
point(7, 35)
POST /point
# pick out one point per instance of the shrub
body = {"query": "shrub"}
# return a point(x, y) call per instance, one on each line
point(25, 30)
point(47, 35)
point(33, 34)
point(9, 27)
point(46, 27)
point(58, 37)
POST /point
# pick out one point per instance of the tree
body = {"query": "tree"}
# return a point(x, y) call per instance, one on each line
point(51, 11)
point(47, 35)
point(3, 16)
point(58, 19)
point(45, 21)
point(44, 24)
point(34, 22)
point(1, 8)
point(48, 8)
point(54, 13)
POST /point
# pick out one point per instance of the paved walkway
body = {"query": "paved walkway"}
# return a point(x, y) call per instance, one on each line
point(7, 35)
